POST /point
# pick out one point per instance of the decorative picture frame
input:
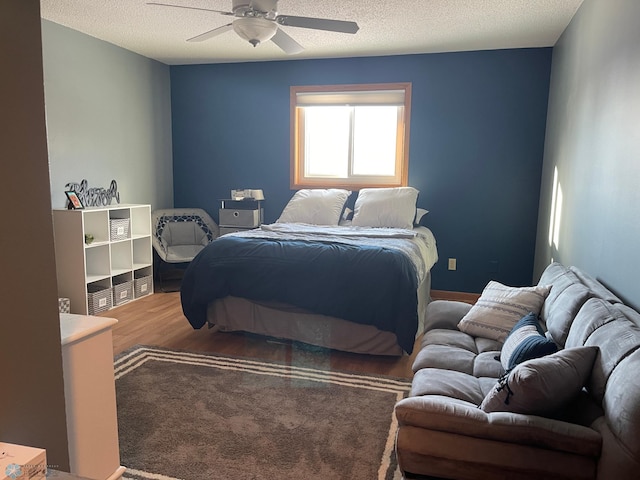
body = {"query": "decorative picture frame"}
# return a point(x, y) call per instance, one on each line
point(74, 202)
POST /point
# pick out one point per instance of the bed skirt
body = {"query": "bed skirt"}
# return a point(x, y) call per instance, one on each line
point(232, 314)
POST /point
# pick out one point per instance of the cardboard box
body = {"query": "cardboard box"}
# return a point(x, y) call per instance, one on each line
point(18, 462)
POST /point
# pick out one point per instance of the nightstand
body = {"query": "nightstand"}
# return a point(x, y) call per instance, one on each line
point(237, 215)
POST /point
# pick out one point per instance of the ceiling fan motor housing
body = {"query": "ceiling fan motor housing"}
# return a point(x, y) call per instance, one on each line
point(256, 21)
point(255, 8)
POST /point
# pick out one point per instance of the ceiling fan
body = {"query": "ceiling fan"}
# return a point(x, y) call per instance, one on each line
point(258, 21)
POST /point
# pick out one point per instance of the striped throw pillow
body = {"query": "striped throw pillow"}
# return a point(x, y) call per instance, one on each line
point(500, 307)
point(526, 341)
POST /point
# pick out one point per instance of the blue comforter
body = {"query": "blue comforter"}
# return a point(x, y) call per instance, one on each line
point(364, 284)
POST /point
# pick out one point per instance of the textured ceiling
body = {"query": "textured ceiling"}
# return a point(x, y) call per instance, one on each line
point(386, 27)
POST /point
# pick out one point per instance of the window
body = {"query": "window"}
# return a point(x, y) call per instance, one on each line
point(350, 136)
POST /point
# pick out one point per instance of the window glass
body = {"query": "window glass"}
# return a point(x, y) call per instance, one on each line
point(326, 141)
point(350, 136)
point(374, 140)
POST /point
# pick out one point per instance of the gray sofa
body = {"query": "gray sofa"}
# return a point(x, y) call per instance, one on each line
point(442, 431)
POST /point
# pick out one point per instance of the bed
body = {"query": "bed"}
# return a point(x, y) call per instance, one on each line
point(343, 285)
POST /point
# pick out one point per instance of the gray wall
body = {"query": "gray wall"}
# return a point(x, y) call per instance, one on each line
point(593, 140)
point(32, 409)
point(108, 117)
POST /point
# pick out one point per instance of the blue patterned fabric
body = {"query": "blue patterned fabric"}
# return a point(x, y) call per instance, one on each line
point(165, 219)
point(526, 341)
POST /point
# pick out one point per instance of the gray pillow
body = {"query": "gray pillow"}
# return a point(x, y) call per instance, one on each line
point(543, 385)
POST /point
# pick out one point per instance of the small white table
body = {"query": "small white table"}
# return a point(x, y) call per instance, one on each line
point(90, 396)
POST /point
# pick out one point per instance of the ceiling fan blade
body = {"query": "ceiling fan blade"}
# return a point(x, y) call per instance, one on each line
point(318, 23)
point(211, 33)
point(190, 8)
point(286, 43)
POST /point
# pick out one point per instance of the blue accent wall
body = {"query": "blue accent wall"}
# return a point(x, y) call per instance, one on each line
point(476, 149)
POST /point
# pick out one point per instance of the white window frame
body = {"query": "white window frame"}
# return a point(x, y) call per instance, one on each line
point(398, 94)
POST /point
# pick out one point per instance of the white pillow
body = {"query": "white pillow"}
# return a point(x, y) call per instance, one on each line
point(420, 213)
point(315, 206)
point(385, 207)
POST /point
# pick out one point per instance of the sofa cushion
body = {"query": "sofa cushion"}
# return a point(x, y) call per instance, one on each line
point(445, 314)
point(594, 314)
point(487, 364)
point(449, 383)
point(595, 286)
point(455, 350)
point(500, 307)
point(445, 357)
point(616, 340)
point(437, 413)
point(563, 308)
point(542, 385)
point(559, 278)
point(526, 341)
point(621, 423)
point(554, 272)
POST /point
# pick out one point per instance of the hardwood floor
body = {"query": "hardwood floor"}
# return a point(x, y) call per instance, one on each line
point(157, 320)
point(456, 296)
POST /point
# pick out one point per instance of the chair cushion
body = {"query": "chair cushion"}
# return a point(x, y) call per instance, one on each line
point(182, 253)
point(183, 233)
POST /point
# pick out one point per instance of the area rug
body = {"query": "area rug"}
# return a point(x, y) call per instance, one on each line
point(191, 416)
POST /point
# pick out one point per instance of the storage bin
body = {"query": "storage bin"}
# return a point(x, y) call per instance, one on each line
point(98, 299)
point(64, 305)
point(119, 228)
point(239, 218)
point(122, 292)
point(142, 286)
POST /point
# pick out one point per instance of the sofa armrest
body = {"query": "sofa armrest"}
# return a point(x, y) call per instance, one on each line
point(445, 314)
point(434, 412)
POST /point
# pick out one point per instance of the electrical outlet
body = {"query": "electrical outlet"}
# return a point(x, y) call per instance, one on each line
point(453, 264)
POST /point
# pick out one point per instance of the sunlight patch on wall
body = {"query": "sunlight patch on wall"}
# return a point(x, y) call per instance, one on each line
point(556, 211)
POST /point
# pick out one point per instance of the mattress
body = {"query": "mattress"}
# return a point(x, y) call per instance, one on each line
point(366, 276)
point(281, 321)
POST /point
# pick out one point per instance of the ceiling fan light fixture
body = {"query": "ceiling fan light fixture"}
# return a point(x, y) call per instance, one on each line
point(255, 30)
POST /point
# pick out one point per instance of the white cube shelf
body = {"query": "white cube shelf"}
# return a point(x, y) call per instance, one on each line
point(81, 266)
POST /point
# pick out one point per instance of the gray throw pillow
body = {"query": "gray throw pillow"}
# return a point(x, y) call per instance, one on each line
point(543, 385)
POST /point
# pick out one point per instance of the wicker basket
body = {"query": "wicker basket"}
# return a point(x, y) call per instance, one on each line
point(142, 286)
point(119, 228)
point(99, 299)
point(122, 292)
